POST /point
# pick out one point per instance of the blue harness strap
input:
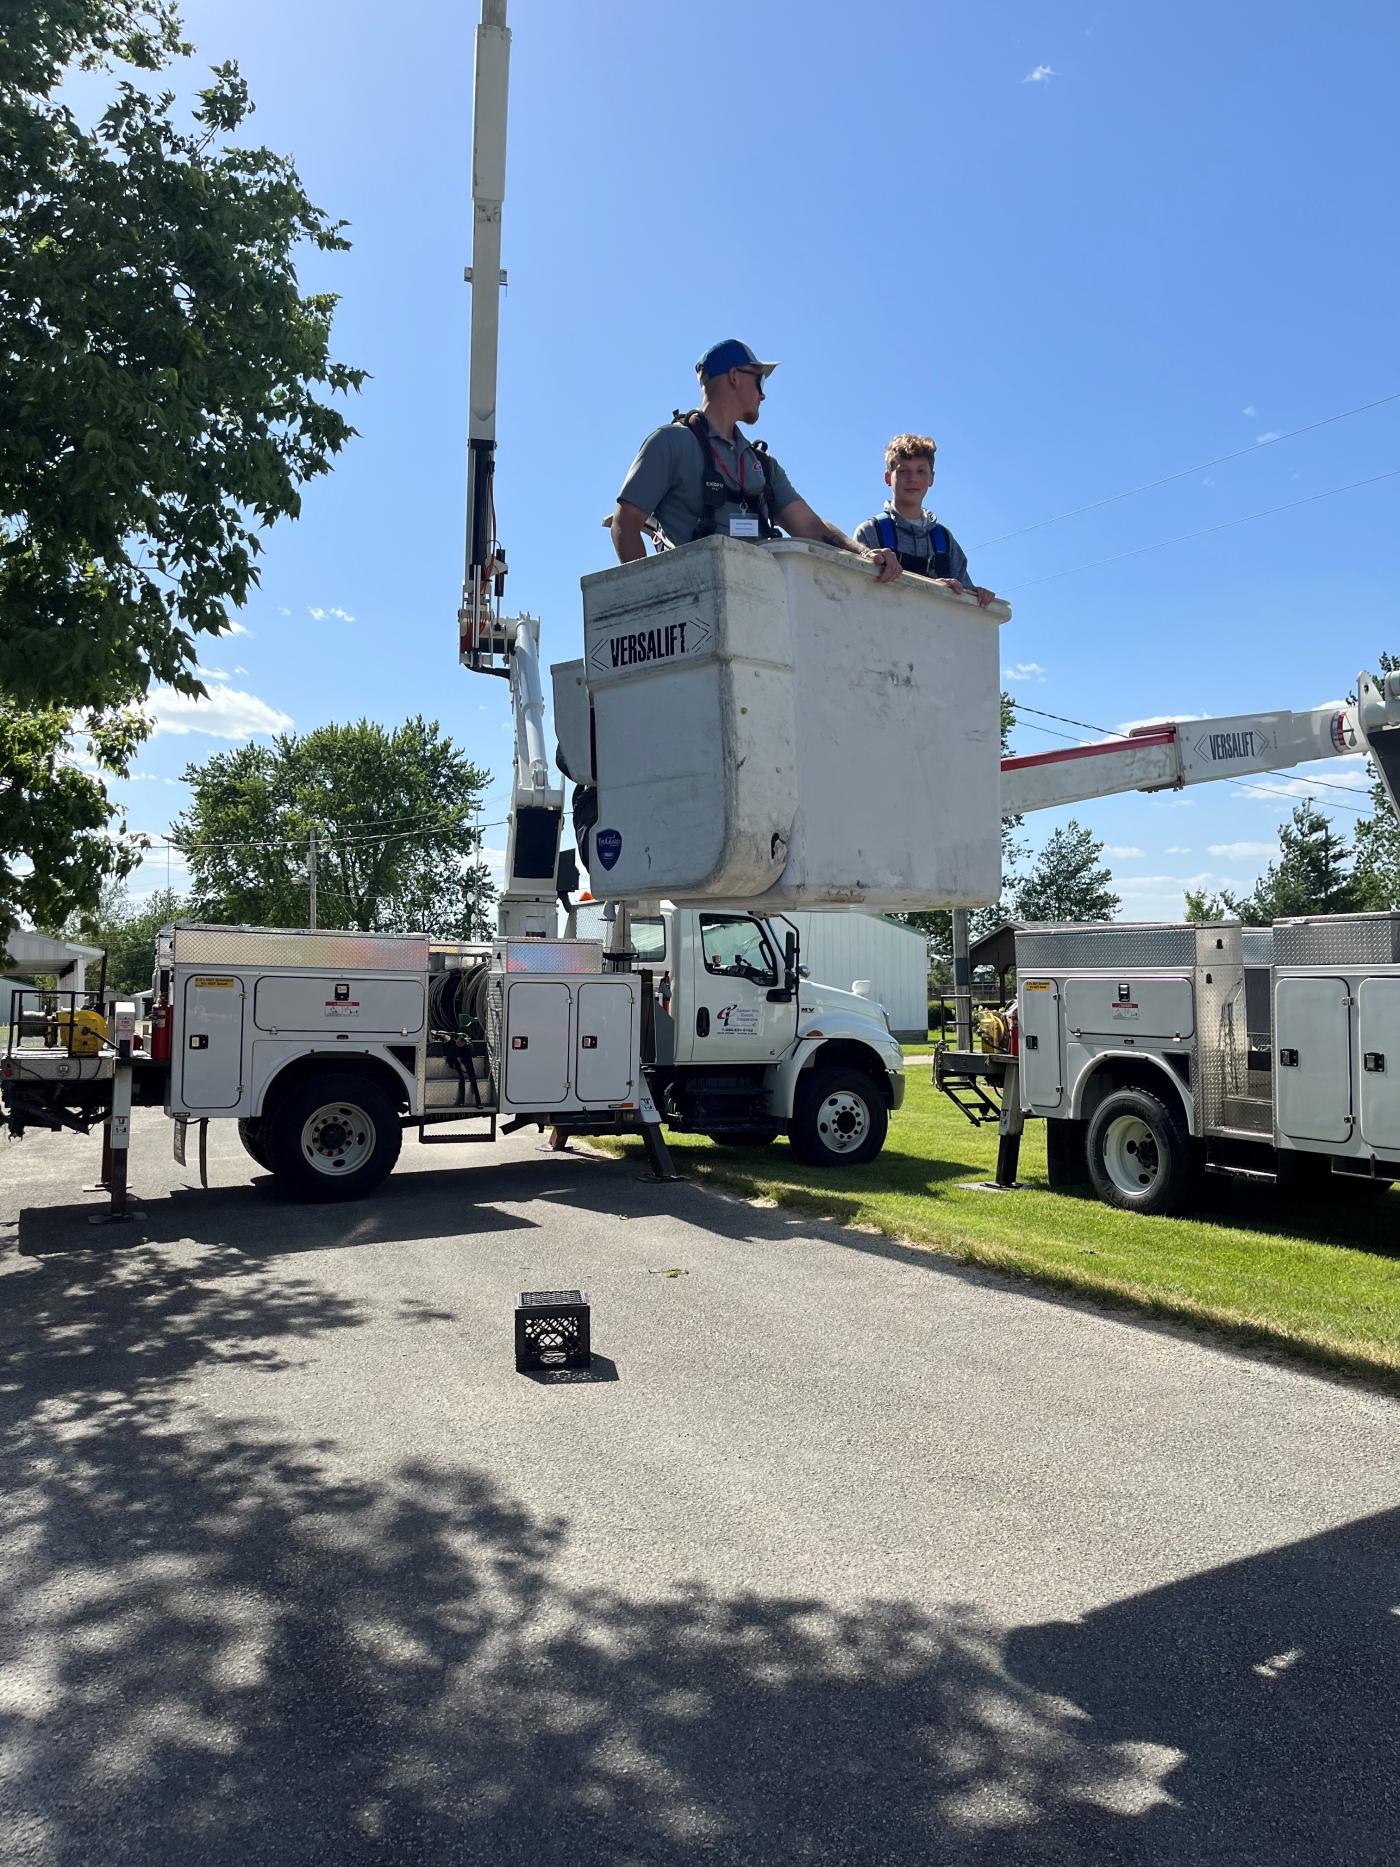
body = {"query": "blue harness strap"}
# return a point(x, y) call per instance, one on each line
point(935, 565)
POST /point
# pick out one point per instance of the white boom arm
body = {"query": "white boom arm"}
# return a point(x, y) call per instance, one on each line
point(1165, 757)
point(486, 278)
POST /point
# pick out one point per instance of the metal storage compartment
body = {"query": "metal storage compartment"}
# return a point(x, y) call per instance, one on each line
point(1042, 1069)
point(730, 680)
point(1116, 1004)
point(1378, 1041)
point(1312, 1058)
point(1338, 940)
point(324, 1004)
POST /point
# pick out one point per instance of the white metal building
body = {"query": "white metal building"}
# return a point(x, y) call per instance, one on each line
point(841, 945)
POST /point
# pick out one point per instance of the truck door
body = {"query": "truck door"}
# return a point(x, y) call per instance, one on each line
point(1312, 1059)
point(1378, 1039)
point(211, 1042)
point(1042, 1072)
point(732, 967)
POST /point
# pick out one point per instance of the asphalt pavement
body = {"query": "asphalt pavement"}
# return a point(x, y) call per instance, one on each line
point(841, 1553)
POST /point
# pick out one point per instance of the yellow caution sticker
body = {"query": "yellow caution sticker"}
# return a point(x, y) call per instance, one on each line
point(1039, 985)
point(216, 982)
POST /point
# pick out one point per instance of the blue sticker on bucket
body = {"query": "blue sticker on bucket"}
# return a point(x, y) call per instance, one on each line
point(608, 844)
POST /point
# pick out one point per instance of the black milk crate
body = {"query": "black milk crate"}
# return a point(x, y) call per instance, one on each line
point(552, 1330)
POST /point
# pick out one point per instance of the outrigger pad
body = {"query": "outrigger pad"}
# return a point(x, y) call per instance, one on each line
point(772, 726)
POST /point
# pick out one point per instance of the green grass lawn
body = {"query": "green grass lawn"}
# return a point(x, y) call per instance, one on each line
point(1319, 1276)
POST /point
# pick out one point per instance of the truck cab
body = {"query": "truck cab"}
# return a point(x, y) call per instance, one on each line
point(748, 1048)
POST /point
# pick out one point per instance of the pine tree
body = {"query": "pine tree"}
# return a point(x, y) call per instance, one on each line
point(1068, 881)
point(1311, 875)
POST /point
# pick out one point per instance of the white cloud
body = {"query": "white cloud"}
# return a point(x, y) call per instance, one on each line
point(237, 628)
point(343, 614)
point(1024, 671)
point(1207, 482)
point(1039, 75)
point(1261, 440)
point(1249, 411)
point(319, 615)
point(1237, 852)
point(1178, 849)
point(283, 612)
point(240, 670)
point(495, 860)
point(228, 713)
point(1124, 852)
point(149, 777)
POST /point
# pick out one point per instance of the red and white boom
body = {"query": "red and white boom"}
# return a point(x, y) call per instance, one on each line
point(1166, 756)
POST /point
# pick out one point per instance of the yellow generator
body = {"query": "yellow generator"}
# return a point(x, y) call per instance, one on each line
point(82, 1033)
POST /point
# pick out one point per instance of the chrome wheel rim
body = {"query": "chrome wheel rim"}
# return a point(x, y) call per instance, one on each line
point(337, 1139)
point(1130, 1156)
point(843, 1121)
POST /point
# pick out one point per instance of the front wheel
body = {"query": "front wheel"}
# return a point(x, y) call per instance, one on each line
point(334, 1136)
point(839, 1120)
point(1140, 1156)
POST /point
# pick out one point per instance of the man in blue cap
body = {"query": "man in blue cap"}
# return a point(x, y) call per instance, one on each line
point(701, 475)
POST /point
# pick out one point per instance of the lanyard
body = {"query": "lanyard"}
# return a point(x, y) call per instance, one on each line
point(739, 457)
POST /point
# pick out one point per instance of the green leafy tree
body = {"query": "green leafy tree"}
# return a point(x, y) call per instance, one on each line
point(1068, 882)
point(159, 407)
point(1376, 875)
point(126, 929)
point(1311, 875)
point(392, 812)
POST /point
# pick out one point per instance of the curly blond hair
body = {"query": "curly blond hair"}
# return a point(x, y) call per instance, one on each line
point(910, 447)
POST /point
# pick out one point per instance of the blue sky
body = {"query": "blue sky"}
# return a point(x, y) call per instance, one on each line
point(1082, 246)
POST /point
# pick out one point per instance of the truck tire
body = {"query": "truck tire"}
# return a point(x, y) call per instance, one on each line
point(1141, 1158)
point(334, 1136)
point(839, 1119)
point(254, 1139)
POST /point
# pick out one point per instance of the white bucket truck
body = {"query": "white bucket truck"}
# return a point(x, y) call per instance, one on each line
point(1159, 1053)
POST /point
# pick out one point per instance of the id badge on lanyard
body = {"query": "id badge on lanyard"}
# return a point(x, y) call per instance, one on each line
point(743, 525)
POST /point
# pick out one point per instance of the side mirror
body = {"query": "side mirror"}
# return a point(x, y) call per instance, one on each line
point(804, 972)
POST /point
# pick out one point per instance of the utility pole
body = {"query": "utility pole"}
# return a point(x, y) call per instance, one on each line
point(311, 878)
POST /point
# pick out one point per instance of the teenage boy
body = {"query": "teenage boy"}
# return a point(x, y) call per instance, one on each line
point(917, 539)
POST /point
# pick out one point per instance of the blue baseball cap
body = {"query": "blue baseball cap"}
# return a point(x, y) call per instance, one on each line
point(730, 355)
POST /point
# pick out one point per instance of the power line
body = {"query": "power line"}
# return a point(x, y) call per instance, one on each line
point(1182, 473)
point(1205, 530)
point(301, 842)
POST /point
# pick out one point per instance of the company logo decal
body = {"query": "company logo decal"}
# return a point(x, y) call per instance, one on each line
point(608, 845)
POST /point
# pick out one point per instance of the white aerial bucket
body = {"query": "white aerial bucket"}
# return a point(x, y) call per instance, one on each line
point(772, 726)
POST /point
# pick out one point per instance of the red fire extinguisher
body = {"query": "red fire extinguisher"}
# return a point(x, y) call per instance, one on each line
point(160, 1032)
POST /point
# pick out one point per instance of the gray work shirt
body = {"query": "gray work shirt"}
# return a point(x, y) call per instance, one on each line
point(913, 538)
point(667, 479)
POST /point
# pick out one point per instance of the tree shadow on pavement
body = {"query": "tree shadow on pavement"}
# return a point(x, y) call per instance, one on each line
point(222, 1647)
